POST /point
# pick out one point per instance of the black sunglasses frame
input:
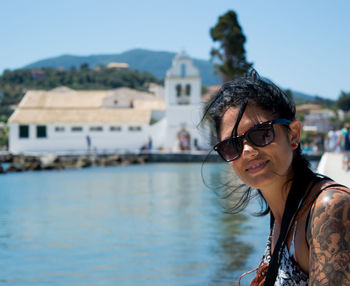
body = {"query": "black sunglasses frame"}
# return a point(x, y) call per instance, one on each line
point(245, 136)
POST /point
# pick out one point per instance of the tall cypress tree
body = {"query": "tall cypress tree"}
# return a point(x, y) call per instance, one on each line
point(229, 58)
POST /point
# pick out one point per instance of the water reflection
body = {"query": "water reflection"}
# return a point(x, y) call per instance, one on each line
point(154, 224)
point(232, 252)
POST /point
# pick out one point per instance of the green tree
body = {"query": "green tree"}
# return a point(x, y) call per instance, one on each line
point(84, 66)
point(343, 101)
point(324, 102)
point(229, 58)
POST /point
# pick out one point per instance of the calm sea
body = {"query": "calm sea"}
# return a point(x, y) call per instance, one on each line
point(152, 224)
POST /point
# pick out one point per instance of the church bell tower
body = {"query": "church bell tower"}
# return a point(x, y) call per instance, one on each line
point(183, 104)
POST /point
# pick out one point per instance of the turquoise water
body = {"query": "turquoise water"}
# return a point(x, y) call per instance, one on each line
point(153, 224)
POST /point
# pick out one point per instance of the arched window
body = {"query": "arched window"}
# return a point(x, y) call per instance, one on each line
point(184, 138)
point(188, 89)
point(178, 90)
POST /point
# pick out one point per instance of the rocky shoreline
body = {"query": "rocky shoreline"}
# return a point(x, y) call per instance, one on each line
point(50, 161)
point(20, 163)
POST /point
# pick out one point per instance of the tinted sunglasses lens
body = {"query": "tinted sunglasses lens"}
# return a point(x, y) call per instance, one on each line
point(230, 149)
point(262, 135)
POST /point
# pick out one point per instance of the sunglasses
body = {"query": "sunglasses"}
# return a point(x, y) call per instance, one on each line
point(260, 135)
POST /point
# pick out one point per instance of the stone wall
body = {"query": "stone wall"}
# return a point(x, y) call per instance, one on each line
point(19, 163)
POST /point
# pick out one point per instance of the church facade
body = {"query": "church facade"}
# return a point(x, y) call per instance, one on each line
point(183, 105)
point(64, 121)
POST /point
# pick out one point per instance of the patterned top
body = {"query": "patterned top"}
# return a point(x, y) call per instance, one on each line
point(289, 272)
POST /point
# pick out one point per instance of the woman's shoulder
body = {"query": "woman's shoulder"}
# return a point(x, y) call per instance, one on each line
point(330, 191)
point(332, 200)
point(329, 235)
point(320, 191)
point(330, 196)
point(330, 211)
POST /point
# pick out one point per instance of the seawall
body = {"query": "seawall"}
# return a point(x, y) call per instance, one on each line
point(331, 165)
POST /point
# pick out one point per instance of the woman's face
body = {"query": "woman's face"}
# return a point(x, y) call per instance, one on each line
point(261, 167)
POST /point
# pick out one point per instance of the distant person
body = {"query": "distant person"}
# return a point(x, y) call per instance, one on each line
point(88, 143)
point(332, 140)
point(150, 143)
point(315, 145)
point(339, 139)
point(257, 133)
point(346, 144)
point(184, 138)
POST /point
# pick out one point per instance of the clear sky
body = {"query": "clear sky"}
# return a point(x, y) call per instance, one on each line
point(302, 45)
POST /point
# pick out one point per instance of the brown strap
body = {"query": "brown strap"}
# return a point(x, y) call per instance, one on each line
point(259, 279)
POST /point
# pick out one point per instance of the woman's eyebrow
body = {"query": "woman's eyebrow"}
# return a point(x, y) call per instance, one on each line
point(239, 135)
point(245, 131)
point(259, 122)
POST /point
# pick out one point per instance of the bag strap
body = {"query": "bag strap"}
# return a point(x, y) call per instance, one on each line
point(290, 209)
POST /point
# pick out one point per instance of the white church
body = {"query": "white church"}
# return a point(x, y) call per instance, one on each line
point(66, 121)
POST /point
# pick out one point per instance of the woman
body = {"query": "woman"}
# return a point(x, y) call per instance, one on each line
point(258, 135)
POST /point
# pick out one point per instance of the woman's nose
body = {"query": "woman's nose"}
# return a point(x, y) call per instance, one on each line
point(249, 149)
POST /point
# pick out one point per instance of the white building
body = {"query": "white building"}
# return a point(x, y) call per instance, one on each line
point(64, 121)
point(183, 105)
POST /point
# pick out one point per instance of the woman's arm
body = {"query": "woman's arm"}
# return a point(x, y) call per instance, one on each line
point(329, 239)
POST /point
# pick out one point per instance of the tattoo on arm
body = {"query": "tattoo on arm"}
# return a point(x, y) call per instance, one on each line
point(329, 238)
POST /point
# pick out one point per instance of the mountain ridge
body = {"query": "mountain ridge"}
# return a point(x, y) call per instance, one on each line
point(154, 62)
point(143, 60)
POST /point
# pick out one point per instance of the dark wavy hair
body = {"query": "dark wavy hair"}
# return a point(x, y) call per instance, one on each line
point(260, 92)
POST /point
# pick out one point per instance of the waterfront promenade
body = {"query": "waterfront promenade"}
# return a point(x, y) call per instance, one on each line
point(331, 166)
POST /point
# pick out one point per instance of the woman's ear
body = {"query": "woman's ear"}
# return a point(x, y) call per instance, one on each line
point(294, 133)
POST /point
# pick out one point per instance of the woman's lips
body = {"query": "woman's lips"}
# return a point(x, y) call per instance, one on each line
point(257, 166)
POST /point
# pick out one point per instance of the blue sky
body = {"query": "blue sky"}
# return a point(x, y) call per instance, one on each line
point(302, 45)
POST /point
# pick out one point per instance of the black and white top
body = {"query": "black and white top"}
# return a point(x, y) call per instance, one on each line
point(289, 272)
